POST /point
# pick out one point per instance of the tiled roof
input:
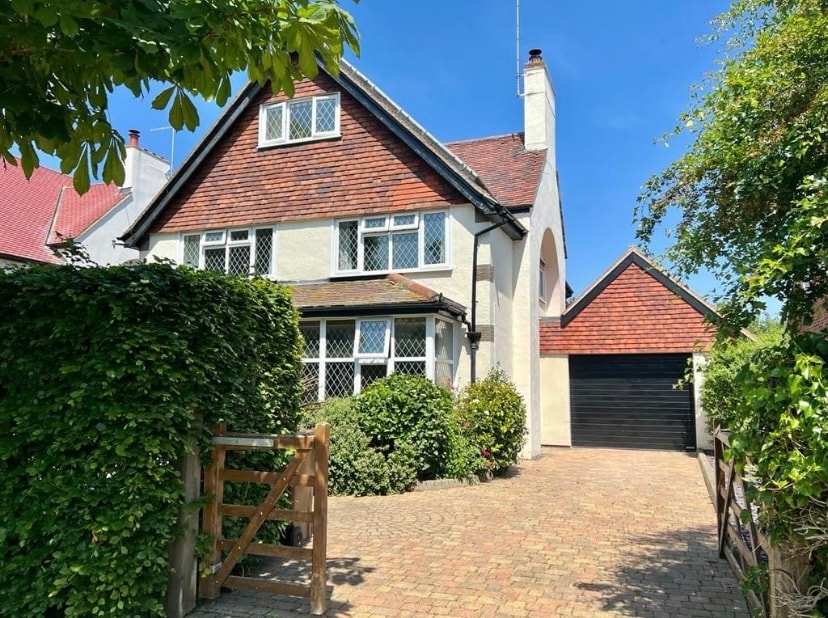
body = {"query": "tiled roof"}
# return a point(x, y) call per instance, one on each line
point(511, 172)
point(32, 211)
point(77, 212)
point(390, 291)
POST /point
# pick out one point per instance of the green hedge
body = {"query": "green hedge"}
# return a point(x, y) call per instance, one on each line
point(103, 374)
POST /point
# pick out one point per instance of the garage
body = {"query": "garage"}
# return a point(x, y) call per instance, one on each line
point(628, 401)
point(609, 363)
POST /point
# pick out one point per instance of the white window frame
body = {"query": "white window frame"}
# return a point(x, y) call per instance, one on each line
point(389, 359)
point(389, 229)
point(226, 243)
point(542, 281)
point(286, 105)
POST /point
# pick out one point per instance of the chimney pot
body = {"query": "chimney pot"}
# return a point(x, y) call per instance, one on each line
point(134, 136)
point(535, 58)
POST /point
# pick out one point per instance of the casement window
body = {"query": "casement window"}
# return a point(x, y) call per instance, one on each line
point(245, 251)
point(542, 281)
point(391, 243)
point(299, 120)
point(342, 357)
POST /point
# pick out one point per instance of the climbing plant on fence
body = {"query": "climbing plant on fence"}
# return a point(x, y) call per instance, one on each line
point(104, 375)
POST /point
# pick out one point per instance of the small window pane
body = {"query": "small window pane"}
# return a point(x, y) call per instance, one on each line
point(443, 340)
point(340, 339)
point(375, 223)
point(376, 252)
point(299, 116)
point(310, 383)
point(273, 123)
point(214, 260)
point(339, 379)
point(214, 237)
point(239, 235)
point(409, 337)
point(192, 244)
point(405, 250)
point(371, 373)
point(310, 332)
point(372, 336)
point(434, 234)
point(400, 220)
point(326, 115)
point(410, 368)
point(443, 375)
point(239, 260)
point(348, 245)
point(264, 250)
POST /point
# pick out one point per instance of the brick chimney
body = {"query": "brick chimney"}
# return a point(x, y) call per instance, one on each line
point(538, 104)
point(144, 172)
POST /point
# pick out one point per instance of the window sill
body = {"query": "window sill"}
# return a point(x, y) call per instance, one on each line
point(296, 142)
point(383, 273)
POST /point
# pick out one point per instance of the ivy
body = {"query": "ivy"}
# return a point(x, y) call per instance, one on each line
point(107, 377)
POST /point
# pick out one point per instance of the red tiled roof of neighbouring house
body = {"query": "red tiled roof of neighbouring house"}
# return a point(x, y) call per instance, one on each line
point(393, 290)
point(33, 211)
point(510, 172)
point(77, 212)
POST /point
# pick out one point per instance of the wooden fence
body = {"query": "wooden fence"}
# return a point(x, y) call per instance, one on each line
point(746, 548)
point(308, 468)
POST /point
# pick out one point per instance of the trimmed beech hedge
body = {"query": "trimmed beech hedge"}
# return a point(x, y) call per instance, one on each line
point(104, 375)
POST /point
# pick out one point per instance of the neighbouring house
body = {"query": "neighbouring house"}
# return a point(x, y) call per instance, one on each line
point(41, 213)
point(405, 254)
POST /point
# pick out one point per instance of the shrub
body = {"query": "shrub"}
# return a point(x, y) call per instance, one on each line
point(412, 410)
point(493, 414)
point(103, 375)
point(721, 392)
point(355, 468)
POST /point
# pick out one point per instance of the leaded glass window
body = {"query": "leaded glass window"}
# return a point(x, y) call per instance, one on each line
point(397, 243)
point(299, 120)
point(434, 238)
point(339, 337)
point(234, 252)
point(373, 338)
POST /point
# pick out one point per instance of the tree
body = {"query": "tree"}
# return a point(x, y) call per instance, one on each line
point(60, 60)
point(751, 191)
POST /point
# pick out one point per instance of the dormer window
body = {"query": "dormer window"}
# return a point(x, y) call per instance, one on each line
point(299, 120)
point(391, 243)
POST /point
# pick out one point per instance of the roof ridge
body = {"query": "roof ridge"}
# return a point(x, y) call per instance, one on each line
point(411, 285)
point(485, 138)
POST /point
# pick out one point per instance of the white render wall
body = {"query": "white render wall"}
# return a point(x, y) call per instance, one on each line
point(703, 438)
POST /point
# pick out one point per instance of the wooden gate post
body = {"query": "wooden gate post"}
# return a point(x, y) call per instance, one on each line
point(318, 593)
point(788, 571)
point(211, 517)
point(181, 589)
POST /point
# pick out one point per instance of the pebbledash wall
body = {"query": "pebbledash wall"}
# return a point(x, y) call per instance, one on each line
point(634, 314)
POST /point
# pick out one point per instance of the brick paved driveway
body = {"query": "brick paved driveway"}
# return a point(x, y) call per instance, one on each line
point(575, 533)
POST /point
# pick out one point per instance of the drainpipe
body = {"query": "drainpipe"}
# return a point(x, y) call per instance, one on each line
point(472, 333)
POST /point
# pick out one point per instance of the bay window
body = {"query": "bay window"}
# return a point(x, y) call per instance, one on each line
point(387, 243)
point(342, 357)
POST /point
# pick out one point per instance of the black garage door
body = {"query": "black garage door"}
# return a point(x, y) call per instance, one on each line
point(628, 401)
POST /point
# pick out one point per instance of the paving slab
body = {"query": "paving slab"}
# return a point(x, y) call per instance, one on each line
point(577, 532)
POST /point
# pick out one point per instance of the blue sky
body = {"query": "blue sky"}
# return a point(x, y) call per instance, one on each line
point(622, 72)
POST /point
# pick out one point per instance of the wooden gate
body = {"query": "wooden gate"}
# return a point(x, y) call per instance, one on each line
point(740, 540)
point(308, 468)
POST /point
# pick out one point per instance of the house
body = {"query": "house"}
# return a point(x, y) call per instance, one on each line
point(41, 213)
point(405, 254)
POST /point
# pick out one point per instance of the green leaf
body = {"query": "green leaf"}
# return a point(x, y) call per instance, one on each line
point(163, 98)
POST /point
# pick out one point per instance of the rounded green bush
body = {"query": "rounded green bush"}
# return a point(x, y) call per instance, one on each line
point(492, 412)
point(410, 409)
point(355, 468)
